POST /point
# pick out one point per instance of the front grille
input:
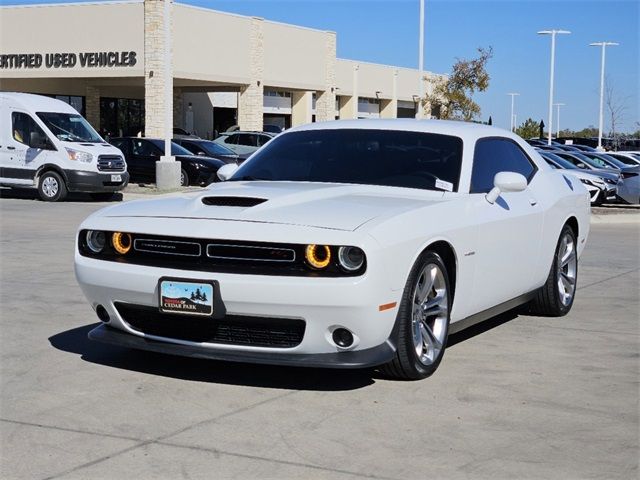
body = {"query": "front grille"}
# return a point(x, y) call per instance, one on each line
point(233, 201)
point(218, 255)
point(110, 163)
point(231, 330)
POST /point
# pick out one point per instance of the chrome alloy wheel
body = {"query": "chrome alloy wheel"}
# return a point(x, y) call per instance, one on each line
point(429, 314)
point(50, 187)
point(567, 263)
point(183, 179)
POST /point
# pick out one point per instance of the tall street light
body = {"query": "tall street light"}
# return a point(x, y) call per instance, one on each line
point(558, 105)
point(420, 112)
point(513, 118)
point(553, 34)
point(604, 45)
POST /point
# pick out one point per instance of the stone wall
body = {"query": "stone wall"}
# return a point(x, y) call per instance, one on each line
point(326, 99)
point(250, 99)
point(154, 68)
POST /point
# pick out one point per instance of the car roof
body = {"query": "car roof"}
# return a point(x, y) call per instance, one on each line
point(466, 130)
point(37, 103)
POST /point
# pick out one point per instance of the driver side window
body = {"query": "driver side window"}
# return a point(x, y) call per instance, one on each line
point(144, 148)
point(494, 155)
point(22, 126)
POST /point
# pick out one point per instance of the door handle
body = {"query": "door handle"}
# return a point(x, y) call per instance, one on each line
point(11, 148)
point(533, 202)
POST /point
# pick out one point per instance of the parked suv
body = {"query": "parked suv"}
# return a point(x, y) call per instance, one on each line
point(244, 142)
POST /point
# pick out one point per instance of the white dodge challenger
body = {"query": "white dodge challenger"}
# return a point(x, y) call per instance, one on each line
point(343, 244)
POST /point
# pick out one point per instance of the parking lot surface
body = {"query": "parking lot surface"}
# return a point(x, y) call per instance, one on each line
point(516, 397)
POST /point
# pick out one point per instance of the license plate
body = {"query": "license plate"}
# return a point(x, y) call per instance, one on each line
point(116, 178)
point(192, 298)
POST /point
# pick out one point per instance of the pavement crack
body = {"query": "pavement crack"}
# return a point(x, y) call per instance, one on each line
point(274, 460)
point(607, 279)
point(158, 440)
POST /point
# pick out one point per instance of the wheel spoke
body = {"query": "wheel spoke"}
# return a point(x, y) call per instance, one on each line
point(429, 338)
point(568, 253)
point(433, 306)
point(568, 280)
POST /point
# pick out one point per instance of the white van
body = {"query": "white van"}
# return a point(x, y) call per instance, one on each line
point(45, 143)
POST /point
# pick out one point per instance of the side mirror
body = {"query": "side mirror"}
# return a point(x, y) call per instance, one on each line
point(506, 182)
point(581, 165)
point(202, 154)
point(38, 141)
point(225, 171)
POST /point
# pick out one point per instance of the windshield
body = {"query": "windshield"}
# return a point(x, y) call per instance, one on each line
point(70, 127)
point(610, 160)
point(361, 156)
point(560, 161)
point(175, 148)
point(215, 149)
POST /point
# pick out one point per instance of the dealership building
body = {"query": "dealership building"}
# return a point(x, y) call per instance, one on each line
point(107, 60)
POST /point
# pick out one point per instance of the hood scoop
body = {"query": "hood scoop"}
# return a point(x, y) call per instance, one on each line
point(233, 201)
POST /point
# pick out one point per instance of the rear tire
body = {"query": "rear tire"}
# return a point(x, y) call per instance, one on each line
point(423, 320)
point(51, 187)
point(555, 297)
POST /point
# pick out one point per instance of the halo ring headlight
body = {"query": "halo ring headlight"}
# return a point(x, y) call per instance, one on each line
point(318, 256)
point(121, 242)
point(350, 258)
point(96, 240)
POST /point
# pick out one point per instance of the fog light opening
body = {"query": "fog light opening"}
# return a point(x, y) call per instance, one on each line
point(342, 337)
point(102, 313)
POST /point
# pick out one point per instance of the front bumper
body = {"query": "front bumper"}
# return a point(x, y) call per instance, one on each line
point(323, 303)
point(95, 182)
point(370, 357)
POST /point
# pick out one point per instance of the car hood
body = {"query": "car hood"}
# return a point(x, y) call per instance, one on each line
point(332, 206)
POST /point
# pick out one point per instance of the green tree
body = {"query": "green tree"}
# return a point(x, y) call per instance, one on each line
point(451, 98)
point(529, 129)
point(588, 132)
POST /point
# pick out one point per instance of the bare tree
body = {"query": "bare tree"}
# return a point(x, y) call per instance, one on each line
point(615, 107)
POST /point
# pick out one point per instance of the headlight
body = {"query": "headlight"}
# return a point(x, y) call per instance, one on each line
point(121, 242)
point(76, 155)
point(318, 256)
point(96, 241)
point(350, 258)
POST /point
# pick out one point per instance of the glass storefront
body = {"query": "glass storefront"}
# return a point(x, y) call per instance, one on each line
point(121, 117)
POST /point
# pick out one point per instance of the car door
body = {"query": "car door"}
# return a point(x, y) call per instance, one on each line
point(20, 159)
point(510, 230)
point(144, 156)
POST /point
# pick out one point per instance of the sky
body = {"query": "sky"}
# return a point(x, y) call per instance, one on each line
point(386, 31)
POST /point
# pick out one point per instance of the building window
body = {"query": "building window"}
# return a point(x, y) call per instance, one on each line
point(121, 117)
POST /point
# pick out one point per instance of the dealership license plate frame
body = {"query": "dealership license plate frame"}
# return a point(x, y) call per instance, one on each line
point(210, 304)
point(116, 178)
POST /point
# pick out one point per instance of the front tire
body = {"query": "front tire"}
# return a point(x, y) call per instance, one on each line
point(51, 187)
point(555, 297)
point(184, 178)
point(423, 320)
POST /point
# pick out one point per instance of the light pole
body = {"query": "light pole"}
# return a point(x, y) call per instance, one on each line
point(558, 105)
point(553, 34)
point(420, 112)
point(513, 117)
point(604, 45)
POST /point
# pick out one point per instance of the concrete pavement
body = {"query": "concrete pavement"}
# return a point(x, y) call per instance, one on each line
point(516, 397)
